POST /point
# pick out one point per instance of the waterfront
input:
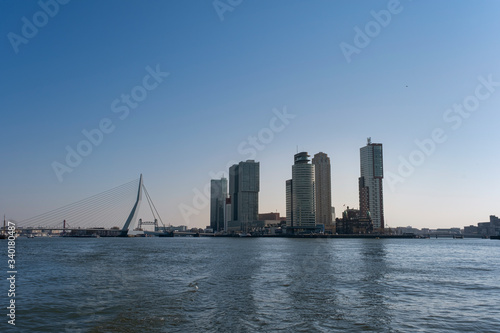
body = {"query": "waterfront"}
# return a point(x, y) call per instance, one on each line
point(256, 285)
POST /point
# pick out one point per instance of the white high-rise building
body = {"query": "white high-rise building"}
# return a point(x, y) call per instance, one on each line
point(371, 203)
point(300, 195)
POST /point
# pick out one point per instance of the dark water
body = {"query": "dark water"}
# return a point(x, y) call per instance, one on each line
point(256, 285)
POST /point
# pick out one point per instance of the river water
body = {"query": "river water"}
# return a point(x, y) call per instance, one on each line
point(255, 285)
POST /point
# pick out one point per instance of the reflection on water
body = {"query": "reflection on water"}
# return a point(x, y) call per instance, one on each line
point(248, 285)
point(373, 293)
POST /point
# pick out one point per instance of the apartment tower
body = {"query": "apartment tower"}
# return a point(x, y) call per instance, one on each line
point(371, 203)
point(300, 195)
point(323, 190)
point(218, 195)
point(244, 190)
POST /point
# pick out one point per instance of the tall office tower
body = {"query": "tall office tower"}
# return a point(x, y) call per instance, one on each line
point(323, 190)
point(218, 195)
point(303, 204)
point(244, 191)
point(289, 203)
point(370, 183)
point(228, 213)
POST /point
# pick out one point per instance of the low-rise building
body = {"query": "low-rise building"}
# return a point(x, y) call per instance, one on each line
point(353, 223)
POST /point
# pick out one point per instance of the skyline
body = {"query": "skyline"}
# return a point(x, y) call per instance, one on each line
point(206, 93)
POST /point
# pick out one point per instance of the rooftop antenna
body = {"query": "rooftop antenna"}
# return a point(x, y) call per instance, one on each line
point(369, 140)
point(297, 149)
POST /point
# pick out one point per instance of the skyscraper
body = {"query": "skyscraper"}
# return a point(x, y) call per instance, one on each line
point(370, 183)
point(323, 190)
point(300, 195)
point(289, 203)
point(227, 218)
point(244, 190)
point(218, 195)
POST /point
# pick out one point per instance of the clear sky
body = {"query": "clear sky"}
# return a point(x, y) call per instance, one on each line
point(341, 71)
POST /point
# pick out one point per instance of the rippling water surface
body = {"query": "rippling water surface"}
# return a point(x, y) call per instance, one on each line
point(256, 285)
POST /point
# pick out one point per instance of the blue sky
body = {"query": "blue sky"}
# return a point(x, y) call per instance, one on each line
point(225, 79)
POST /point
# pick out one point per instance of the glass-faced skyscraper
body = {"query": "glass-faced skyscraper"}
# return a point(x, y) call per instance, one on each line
point(289, 203)
point(371, 203)
point(218, 195)
point(244, 190)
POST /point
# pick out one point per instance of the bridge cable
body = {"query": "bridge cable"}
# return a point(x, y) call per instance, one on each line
point(101, 207)
point(149, 198)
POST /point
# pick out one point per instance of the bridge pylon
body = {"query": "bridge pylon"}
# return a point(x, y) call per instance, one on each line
point(133, 213)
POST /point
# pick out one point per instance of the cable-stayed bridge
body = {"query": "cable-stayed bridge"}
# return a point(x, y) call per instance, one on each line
point(109, 213)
